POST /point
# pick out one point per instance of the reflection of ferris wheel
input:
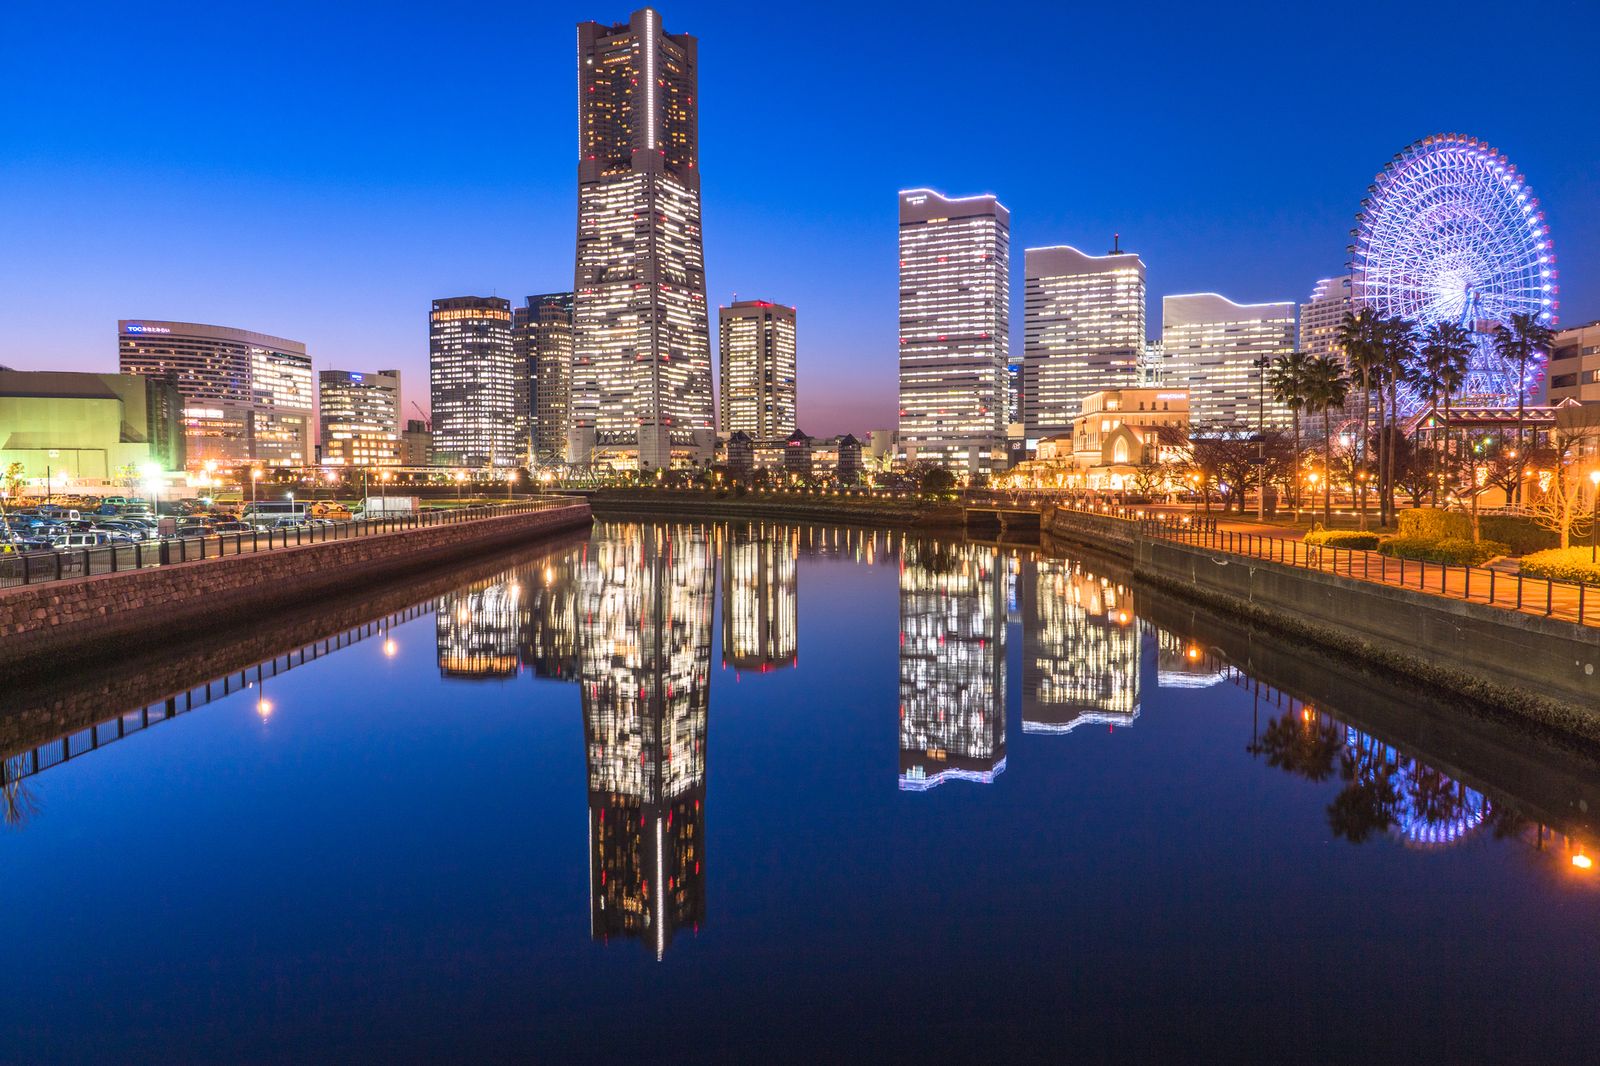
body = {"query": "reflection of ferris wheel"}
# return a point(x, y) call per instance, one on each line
point(1450, 232)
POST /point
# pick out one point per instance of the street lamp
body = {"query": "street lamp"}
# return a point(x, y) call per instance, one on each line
point(152, 477)
point(1594, 517)
point(255, 476)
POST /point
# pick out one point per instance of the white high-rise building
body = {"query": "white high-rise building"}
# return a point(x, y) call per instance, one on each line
point(1212, 348)
point(641, 383)
point(758, 369)
point(1083, 332)
point(476, 385)
point(1321, 317)
point(955, 321)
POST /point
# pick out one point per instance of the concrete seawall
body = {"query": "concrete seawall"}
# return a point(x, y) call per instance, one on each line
point(42, 626)
point(900, 514)
point(1545, 669)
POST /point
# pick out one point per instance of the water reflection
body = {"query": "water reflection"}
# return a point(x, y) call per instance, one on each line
point(952, 664)
point(629, 617)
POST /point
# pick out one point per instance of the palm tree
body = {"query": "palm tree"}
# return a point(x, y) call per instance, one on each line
point(1519, 341)
point(1361, 338)
point(1326, 386)
point(1287, 381)
point(1399, 339)
point(1441, 368)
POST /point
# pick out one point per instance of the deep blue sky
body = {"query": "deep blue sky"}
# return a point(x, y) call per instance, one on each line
point(321, 171)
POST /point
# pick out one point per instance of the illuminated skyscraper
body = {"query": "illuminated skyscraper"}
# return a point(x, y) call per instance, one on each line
point(644, 659)
point(541, 332)
point(1321, 317)
point(758, 369)
point(955, 321)
point(478, 390)
point(760, 597)
point(1080, 649)
point(247, 396)
point(1212, 345)
point(1083, 331)
point(641, 386)
point(360, 416)
point(952, 665)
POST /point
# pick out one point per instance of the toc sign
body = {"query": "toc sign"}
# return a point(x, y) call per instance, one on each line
point(132, 327)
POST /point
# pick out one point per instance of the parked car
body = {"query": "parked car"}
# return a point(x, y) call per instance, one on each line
point(75, 541)
point(229, 528)
point(195, 527)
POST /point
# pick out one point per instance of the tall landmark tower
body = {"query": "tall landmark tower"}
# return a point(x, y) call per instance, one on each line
point(641, 384)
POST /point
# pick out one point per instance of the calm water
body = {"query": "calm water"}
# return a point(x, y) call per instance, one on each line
point(679, 792)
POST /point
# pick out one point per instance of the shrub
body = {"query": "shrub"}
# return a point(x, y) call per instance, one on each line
point(1457, 551)
point(1343, 538)
point(1562, 564)
point(1430, 523)
point(1521, 532)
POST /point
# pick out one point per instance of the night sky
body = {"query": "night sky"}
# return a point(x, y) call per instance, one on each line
point(321, 171)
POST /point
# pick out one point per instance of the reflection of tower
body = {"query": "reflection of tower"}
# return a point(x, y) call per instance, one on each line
point(952, 665)
point(1080, 650)
point(476, 630)
point(644, 659)
point(760, 605)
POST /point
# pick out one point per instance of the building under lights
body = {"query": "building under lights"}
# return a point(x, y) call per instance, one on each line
point(1083, 331)
point(541, 333)
point(757, 345)
point(1322, 315)
point(952, 664)
point(247, 397)
point(1212, 346)
point(955, 323)
point(641, 384)
point(644, 605)
point(476, 631)
point(760, 597)
point(360, 418)
point(477, 388)
point(1080, 650)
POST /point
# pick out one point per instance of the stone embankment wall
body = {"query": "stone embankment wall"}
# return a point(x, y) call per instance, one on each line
point(1544, 668)
point(46, 626)
point(773, 507)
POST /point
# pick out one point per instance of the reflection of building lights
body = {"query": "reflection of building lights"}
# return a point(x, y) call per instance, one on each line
point(1582, 861)
point(390, 647)
point(1192, 653)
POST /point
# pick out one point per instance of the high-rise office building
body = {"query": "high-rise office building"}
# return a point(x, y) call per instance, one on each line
point(247, 396)
point(479, 394)
point(1323, 314)
point(758, 368)
point(955, 321)
point(641, 389)
point(360, 418)
point(1083, 332)
point(1213, 348)
point(541, 332)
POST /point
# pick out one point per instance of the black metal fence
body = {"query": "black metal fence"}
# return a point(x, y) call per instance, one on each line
point(32, 568)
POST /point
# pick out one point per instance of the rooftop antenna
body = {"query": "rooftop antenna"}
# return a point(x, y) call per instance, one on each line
point(1116, 244)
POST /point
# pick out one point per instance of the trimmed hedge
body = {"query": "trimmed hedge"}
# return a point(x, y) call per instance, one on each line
point(1430, 523)
point(1521, 532)
point(1343, 538)
point(1562, 564)
point(1457, 551)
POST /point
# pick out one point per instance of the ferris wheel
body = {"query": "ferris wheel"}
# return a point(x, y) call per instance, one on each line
point(1450, 232)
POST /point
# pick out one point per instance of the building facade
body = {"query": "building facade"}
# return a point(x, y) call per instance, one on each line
point(1213, 351)
point(1083, 331)
point(955, 322)
point(478, 392)
point(100, 428)
point(416, 443)
point(541, 332)
point(1575, 364)
point(1322, 315)
point(757, 346)
point(359, 418)
point(248, 397)
point(642, 393)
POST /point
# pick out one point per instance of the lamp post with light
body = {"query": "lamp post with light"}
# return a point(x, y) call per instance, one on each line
point(1594, 517)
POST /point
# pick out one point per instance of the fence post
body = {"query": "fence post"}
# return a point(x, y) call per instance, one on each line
point(1491, 584)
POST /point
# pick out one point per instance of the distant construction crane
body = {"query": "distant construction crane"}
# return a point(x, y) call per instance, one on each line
point(427, 423)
